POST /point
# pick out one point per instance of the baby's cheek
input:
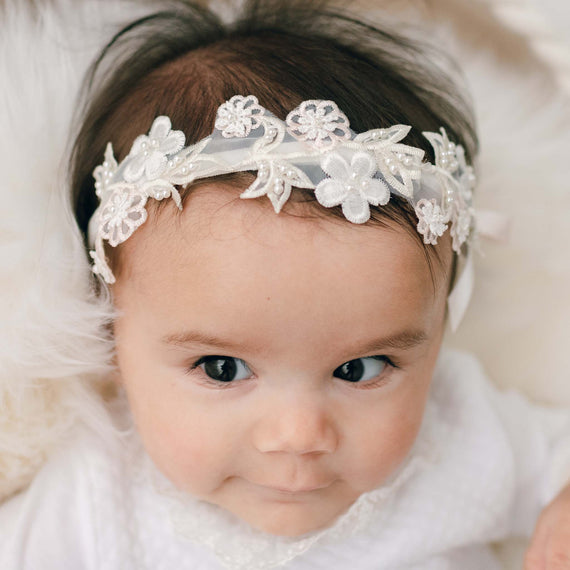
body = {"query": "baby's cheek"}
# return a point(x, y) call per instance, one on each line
point(182, 443)
point(386, 442)
point(191, 465)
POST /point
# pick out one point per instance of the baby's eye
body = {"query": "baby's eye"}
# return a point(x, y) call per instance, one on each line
point(223, 368)
point(361, 369)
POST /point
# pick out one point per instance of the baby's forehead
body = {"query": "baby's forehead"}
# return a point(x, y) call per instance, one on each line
point(216, 226)
point(233, 268)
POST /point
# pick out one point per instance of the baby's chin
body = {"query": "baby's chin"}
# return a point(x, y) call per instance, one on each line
point(294, 519)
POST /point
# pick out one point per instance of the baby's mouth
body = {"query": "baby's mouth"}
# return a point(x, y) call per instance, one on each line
point(292, 491)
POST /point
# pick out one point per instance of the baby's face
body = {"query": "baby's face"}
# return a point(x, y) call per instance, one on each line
point(276, 366)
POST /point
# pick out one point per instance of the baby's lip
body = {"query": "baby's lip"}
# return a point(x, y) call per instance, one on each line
point(295, 490)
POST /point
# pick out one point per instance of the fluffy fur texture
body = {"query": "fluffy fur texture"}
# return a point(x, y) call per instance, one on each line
point(54, 350)
point(52, 340)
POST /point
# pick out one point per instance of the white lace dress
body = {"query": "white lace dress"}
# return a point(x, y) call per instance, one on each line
point(482, 468)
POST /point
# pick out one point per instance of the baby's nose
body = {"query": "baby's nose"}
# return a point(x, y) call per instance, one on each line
point(296, 425)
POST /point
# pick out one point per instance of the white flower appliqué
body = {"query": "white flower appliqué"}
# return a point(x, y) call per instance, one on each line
point(457, 180)
point(320, 123)
point(122, 214)
point(149, 154)
point(239, 116)
point(432, 221)
point(351, 185)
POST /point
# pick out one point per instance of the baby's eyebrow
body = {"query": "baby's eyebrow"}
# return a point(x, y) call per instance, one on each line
point(197, 337)
point(402, 340)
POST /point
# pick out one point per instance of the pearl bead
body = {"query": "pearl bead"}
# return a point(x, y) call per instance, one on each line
point(393, 168)
point(408, 161)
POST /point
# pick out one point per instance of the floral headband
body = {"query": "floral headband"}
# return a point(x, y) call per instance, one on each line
point(313, 148)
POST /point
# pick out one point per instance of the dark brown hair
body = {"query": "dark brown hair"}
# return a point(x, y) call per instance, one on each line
point(185, 61)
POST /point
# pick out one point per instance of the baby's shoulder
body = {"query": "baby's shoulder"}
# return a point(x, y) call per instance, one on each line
point(461, 382)
point(51, 524)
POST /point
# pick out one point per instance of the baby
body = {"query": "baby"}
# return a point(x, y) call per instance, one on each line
point(283, 248)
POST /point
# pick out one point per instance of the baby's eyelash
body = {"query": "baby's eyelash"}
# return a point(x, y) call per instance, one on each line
point(226, 369)
point(382, 378)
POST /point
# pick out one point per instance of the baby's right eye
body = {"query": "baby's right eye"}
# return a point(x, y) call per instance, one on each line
point(223, 368)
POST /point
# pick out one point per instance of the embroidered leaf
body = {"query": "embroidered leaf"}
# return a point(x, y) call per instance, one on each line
point(275, 180)
point(384, 137)
point(272, 138)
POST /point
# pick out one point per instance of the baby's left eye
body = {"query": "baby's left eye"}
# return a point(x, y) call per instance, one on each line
point(361, 369)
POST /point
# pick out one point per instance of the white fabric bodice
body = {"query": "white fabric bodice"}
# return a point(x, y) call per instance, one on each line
point(480, 470)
